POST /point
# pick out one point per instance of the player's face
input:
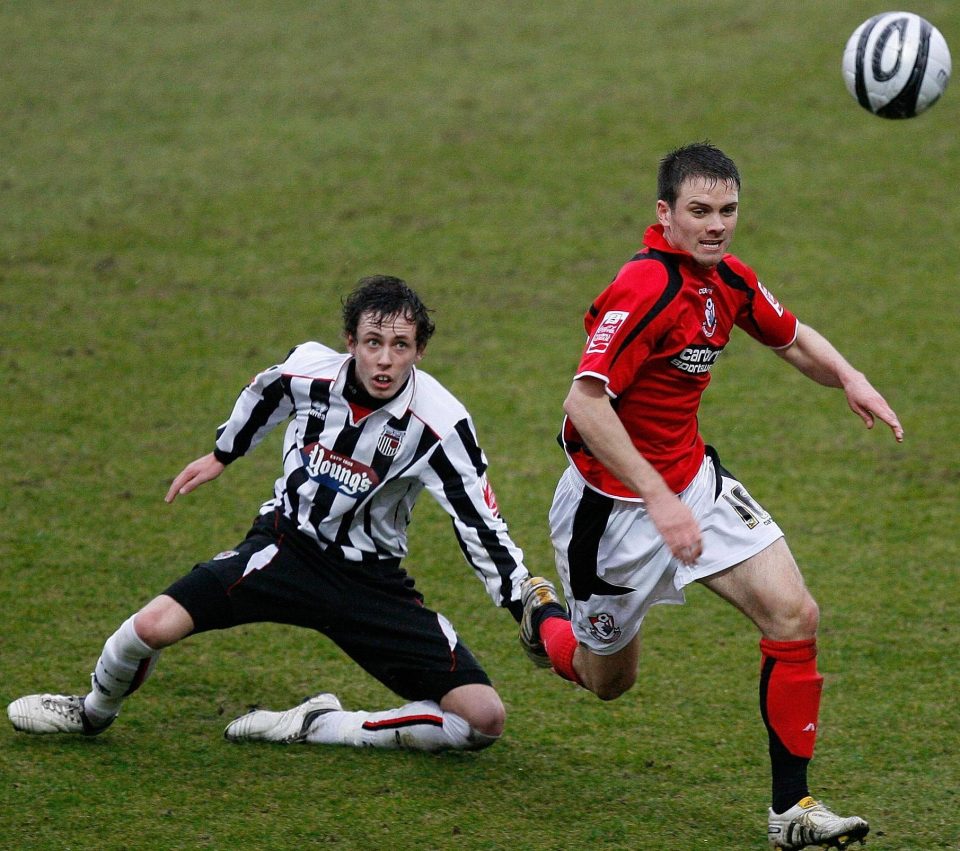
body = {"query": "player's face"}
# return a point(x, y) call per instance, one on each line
point(385, 350)
point(702, 220)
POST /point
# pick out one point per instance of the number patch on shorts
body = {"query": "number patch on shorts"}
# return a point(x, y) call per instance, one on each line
point(747, 510)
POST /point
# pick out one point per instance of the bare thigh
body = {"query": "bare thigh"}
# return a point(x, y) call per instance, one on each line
point(769, 589)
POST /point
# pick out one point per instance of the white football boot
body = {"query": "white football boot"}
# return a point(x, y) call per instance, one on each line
point(52, 713)
point(285, 728)
point(536, 592)
point(811, 823)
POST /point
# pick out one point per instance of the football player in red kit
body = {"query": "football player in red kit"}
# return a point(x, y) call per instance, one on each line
point(645, 508)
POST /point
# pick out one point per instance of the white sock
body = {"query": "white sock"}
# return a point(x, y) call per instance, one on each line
point(126, 661)
point(421, 726)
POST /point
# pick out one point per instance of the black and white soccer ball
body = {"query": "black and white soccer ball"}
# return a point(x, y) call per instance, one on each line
point(896, 64)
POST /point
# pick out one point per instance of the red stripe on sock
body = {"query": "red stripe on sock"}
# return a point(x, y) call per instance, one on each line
point(405, 721)
point(142, 670)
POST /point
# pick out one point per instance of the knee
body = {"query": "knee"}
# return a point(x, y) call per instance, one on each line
point(610, 688)
point(150, 629)
point(611, 691)
point(609, 677)
point(480, 707)
point(810, 617)
point(162, 622)
point(800, 621)
point(490, 718)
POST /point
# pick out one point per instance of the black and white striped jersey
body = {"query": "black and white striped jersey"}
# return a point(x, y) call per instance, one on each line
point(351, 485)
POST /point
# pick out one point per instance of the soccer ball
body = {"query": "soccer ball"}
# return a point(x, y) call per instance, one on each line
point(896, 64)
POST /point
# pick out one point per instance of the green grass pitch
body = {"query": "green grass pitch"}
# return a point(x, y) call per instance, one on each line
point(186, 189)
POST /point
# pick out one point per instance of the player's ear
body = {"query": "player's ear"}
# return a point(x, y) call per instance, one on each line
point(663, 212)
point(351, 343)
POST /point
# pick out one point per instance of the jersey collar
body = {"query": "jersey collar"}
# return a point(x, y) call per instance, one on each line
point(397, 406)
point(653, 238)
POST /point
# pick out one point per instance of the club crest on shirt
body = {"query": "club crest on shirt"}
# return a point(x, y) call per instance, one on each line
point(603, 628)
point(389, 442)
point(606, 331)
point(709, 324)
point(337, 472)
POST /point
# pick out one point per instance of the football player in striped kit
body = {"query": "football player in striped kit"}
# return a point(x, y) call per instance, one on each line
point(367, 432)
point(645, 507)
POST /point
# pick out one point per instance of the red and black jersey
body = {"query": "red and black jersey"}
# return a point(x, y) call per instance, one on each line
point(653, 336)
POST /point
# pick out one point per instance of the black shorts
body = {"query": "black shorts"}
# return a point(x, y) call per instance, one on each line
point(371, 611)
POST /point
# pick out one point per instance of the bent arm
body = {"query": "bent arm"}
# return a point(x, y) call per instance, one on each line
point(588, 407)
point(815, 356)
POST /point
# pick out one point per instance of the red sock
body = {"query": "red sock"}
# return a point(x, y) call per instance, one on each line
point(560, 644)
point(790, 689)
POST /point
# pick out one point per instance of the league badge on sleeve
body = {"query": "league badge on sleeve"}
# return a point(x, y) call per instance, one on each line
point(606, 331)
point(769, 296)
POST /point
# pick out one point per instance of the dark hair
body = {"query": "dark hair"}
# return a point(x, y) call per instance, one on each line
point(699, 159)
point(385, 296)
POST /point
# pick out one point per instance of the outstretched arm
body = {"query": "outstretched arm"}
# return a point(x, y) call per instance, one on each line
point(455, 476)
point(815, 356)
point(195, 474)
point(588, 407)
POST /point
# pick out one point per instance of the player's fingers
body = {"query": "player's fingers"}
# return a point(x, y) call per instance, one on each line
point(189, 485)
point(895, 427)
point(688, 553)
point(183, 483)
point(885, 413)
point(862, 411)
point(174, 488)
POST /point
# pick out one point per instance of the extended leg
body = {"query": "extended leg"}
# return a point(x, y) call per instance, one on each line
point(127, 659)
point(469, 717)
point(769, 589)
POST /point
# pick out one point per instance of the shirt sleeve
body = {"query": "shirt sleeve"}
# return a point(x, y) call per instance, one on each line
point(764, 318)
point(456, 477)
point(261, 405)
point(624, 323)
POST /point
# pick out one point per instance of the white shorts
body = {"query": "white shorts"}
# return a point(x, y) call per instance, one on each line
point(614, 565)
